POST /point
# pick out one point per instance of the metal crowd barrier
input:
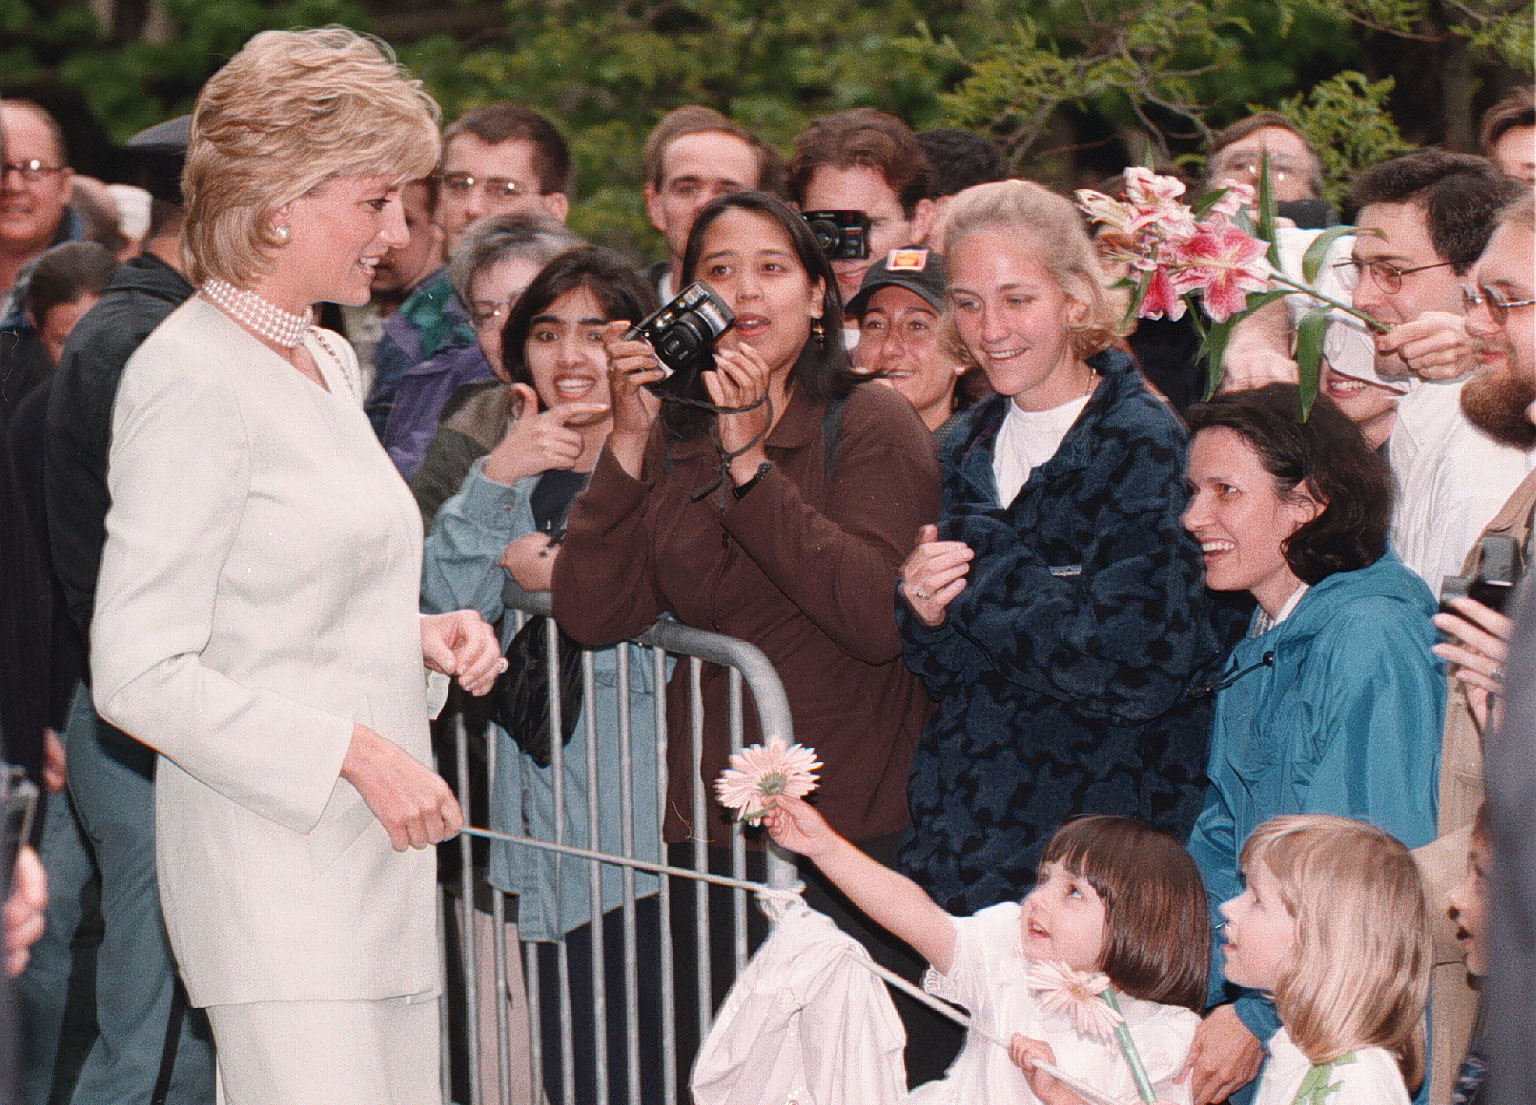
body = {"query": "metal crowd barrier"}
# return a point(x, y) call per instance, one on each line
point(695, 647)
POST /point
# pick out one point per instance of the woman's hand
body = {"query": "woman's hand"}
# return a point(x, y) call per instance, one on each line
point(740, 379)
point(536, 441)
point(1478, 646)
point(410, 800)
point(1223, 1058)
point(631, 365)
point(462, 645)
point(530, 561)
point(55, 772)
point(795, 826)
point(934, 574)
point(23, 913)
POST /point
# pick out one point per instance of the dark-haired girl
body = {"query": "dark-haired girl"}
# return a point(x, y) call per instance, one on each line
point(1333, 702)
point(795, 547)
point(1112, 895)
point(499, 525)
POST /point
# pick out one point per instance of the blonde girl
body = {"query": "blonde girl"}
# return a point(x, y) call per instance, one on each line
point(1332, 922)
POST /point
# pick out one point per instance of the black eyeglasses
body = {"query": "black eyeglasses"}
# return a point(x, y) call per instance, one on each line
point(32, 170)
point(496, 187)
point(1388, 277)
point(1498, 306)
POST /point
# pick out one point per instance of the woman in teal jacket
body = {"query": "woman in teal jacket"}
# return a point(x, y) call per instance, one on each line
point(1333, 702)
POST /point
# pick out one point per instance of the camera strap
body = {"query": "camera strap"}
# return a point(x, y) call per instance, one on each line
point(722, 479)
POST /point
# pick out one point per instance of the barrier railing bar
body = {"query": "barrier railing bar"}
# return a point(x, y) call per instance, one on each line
point(700, 845)
point(738, 839)
point(467, 949)
point(627, 876)
point(595, 887)
point(664, 892)
point(503, 991)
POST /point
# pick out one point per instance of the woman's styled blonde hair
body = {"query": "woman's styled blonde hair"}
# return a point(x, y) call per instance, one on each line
point(1358, 975)
point(290, 111)
point(1057, 239)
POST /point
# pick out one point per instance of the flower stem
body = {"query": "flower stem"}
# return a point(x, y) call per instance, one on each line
point(1128, 1049)
point(1374, 324)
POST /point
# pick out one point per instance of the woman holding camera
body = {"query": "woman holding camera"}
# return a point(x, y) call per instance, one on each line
point(257, 621)
point(1334, 701)
point(782, 520)
point(501, 524)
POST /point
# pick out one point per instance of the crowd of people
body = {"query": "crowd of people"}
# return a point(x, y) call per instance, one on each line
point(1100, 671)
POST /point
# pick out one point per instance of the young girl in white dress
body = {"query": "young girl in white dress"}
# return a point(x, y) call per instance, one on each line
point(1114, 896)
point(1333, 923)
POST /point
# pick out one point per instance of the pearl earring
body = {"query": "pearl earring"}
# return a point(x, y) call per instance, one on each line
point(281, 234)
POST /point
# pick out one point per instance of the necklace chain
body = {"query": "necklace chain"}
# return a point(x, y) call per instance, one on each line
point(263, 318)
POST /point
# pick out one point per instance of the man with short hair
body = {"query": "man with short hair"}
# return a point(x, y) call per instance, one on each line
point(35, 185)
point(1295, 170)
point(960, 160)
point(868, 161)
point(1424, 218)
point(1501, 320)
point(500, 159)
point(1507, 136)
point(693, 155)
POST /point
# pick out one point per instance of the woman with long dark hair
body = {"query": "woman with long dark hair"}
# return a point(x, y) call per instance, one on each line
point(500, 524)
point(781, 520)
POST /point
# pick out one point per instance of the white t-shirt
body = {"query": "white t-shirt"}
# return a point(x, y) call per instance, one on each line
point(1026, 440)
point(989, 977)
point(1451, 479)
point(1366, 1077)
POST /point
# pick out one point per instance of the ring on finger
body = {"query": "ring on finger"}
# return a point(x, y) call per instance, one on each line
point(1497, 674)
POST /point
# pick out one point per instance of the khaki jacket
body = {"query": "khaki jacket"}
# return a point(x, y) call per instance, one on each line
point(1443, 862)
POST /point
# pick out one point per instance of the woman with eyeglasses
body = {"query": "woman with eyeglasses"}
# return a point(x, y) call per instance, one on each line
point(491, 265)
point(1333, 702)
point(493, 538)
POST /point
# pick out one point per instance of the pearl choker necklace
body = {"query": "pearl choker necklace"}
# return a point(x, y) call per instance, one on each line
point(266, 320)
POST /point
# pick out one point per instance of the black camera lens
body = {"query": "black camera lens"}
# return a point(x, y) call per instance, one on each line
point(828, 234)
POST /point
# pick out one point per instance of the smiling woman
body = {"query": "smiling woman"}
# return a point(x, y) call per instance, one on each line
point(1333, 702)
point(256, 620)
point(1055, 612)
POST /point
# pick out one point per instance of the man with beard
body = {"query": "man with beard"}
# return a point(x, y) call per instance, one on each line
point(1502, 325)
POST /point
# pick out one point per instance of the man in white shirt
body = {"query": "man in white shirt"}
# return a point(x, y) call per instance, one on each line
point(1424, 220)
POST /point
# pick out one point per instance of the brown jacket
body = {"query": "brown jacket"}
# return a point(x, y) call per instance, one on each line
point(802, 566)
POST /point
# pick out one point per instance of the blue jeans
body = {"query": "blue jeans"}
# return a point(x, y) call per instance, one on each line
point(43, 987)
point(111, 782)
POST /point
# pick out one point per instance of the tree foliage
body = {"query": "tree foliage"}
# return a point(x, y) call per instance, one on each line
point(1071, 88)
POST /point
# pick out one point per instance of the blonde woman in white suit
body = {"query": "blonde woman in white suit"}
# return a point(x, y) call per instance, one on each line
point(257, 617)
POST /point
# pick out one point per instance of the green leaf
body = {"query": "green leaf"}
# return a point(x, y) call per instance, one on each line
point(1206, 201)
point(1309, 356)
point(1137, 297)
point(1312, 260)
point(1267, 209)
point(1216, 339)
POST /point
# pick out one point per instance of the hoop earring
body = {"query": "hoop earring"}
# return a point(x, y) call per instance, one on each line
point(819, 332)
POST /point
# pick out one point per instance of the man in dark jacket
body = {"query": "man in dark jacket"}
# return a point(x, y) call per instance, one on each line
point(149, 1047)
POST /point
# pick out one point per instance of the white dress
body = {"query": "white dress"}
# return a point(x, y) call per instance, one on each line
point(1367, 1077)
point(989, 978)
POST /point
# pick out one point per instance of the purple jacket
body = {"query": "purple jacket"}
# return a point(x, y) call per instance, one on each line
point(424, 389)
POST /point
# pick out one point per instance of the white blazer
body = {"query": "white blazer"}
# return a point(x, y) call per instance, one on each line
point(258, 595)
